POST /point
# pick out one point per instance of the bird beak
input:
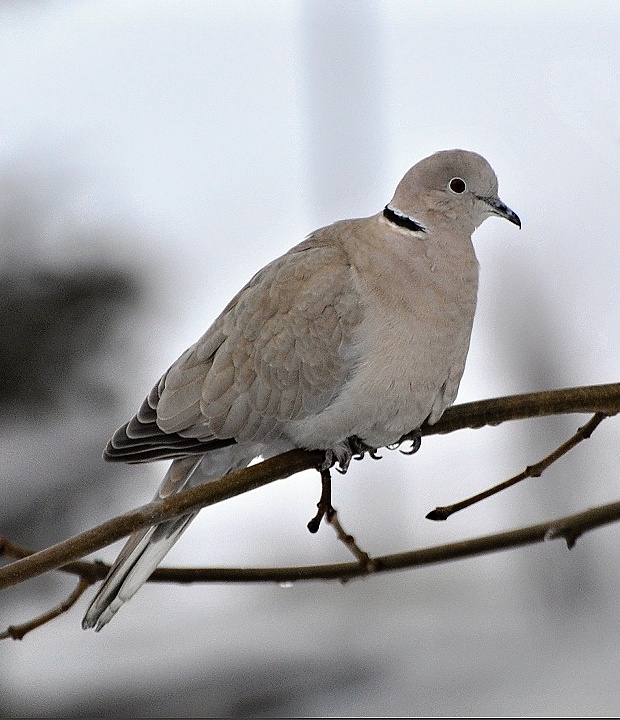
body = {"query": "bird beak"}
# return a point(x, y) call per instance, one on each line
point(498, 208)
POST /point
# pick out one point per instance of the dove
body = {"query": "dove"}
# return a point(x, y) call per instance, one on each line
point(351, 339)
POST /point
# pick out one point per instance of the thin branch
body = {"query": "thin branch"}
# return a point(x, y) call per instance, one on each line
point(587, 399)
point(185, 502)
point(569, 528)
point(93, 571)
point(601, 398)
point(324, 505)
point(364, 559)
point(443, 512)
point(17, 632)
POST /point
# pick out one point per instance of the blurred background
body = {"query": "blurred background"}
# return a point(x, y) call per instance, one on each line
point(153, 156)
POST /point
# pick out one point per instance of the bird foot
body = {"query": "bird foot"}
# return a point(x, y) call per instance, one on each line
point(351, 449)
point(414, 437)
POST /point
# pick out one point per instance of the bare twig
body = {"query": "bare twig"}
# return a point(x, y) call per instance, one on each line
point(362, 556)
point(93, 571)
point(602, 400)
point(184, 503)
point(569, 528)
point(17, 632)
point(587, 399)
point(583, 433)
point(596, 398)
point(324, 505)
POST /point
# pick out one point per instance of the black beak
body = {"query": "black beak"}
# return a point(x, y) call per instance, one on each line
point(498, 208)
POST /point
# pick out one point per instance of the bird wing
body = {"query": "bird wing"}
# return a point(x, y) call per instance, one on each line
point(281, 350)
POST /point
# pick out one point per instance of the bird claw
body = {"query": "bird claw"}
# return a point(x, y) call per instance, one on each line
point(414, 437)
point(351, 449)
point(354, 449)
point(416, 442)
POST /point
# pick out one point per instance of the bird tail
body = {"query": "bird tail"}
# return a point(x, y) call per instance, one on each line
point(143, 551)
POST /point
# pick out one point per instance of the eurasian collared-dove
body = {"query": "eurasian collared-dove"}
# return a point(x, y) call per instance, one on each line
point(355, 336)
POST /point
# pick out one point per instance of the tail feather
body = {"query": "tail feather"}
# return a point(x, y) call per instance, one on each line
point(142, 553)
point(129, 574)
point(145, 548)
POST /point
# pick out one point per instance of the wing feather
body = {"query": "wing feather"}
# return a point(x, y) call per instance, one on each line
point(280, 350)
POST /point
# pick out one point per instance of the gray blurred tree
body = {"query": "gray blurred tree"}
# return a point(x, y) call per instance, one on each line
point(56, 319)
point(53, 321)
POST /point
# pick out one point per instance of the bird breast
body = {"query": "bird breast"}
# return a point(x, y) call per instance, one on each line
point(410, 347)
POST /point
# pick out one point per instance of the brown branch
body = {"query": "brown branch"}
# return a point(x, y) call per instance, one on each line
point(93, 571)
point(587, 399)
point(605, 399)
point(17, 632)
point(324, 505)
point(601, 398)
point(364, 559)
point(186, 502)
point(443, 512)
point(569, 527)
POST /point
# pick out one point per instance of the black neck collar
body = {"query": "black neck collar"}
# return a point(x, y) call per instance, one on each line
point(398, 218)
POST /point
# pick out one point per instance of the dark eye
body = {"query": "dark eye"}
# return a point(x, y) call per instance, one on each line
point(457, 185)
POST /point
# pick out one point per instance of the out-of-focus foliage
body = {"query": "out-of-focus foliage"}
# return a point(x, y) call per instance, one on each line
point(53, 321)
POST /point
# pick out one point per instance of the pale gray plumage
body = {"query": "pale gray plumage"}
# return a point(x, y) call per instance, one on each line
point(360, 331)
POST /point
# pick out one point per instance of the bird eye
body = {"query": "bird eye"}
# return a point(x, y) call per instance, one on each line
point(457, 185)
